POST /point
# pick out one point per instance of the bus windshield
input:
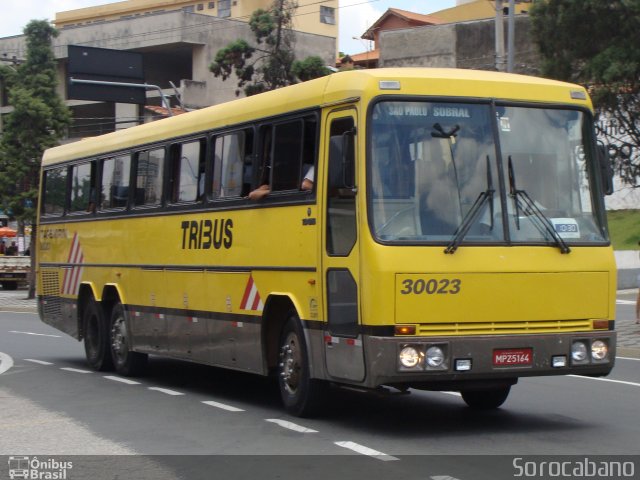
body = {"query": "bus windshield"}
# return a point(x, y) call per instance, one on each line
point(436, 176)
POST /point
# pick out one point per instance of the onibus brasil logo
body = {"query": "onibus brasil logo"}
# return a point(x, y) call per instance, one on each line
point(36, 469)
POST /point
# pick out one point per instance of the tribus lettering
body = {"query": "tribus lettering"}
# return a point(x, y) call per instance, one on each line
point(205, 234)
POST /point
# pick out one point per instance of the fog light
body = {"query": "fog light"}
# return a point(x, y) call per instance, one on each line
point(409, 357)
point(463, 364)
point(435, 357)
point(599, 350)
point(578, 352)
point(559, 361)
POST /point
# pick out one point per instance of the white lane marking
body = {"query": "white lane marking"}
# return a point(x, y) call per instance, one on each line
point(356, 447)
point(165, 390)
point(6, 362)
point(628, 358)
point(229, 408)
point(291, 426)
point(36, 334)
point(455, 394)
point(19, 313)
point(625, 302)
point(633, 384)
point(443, 477)
point(41, 362)
point(76, 370)
point(122, 380)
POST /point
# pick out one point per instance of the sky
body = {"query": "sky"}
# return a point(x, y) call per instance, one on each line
point(356, 16)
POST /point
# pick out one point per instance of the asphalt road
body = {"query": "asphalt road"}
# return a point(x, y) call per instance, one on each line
point(189, 421)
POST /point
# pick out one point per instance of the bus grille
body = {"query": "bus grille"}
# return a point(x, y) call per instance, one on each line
point(504, 328)
point(50, 281)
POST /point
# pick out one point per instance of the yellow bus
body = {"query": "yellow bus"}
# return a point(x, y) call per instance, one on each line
point(450, 235)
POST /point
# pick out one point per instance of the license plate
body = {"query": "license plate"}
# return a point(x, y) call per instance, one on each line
point(512, 356)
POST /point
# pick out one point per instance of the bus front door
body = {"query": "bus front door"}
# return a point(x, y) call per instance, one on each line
point(344, 354)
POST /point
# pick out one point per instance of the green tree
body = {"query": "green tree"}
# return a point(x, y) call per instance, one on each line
point(595, 43)
point(38, 120)
point(270, 64)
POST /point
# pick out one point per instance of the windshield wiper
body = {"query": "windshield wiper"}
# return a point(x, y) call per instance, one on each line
point(522, 201)
point(473, 213)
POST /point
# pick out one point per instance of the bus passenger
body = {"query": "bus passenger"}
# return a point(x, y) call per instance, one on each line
point(307, 181)
point(260, 192)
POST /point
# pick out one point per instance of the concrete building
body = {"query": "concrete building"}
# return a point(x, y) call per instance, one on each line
point(178, 41)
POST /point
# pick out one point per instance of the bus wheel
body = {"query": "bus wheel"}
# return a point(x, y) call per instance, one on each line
point(486, 399)
point(302, 396)
point(126, 361)
point(96, 337)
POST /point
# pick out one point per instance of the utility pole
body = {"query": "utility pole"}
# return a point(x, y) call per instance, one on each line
point(511, 36)
point(499, 36)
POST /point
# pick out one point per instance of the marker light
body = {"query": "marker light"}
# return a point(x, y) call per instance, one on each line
point(405, 330)
point(463, 364)
point(409, 357)
point(578, 352)
point(599, 350)
point(435, 357)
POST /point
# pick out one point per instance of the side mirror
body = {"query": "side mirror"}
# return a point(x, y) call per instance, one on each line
point(606, 169)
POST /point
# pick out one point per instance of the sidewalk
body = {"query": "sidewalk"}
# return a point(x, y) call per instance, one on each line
point(628, 330)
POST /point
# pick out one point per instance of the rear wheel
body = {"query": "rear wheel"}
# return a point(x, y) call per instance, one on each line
point(486, 399)
point(302, 396)
point(96, 337)
point(126, 361)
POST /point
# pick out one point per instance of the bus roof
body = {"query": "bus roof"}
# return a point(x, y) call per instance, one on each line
point(332, 89)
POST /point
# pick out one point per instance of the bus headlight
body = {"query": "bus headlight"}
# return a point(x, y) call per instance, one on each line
point(599, 350)
point(435, 357)
point(578, 352)
point(409, 357)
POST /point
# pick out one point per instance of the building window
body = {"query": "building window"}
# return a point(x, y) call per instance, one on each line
point(224, 8)
point(200, 7)
point(327, 15)
point(212, 5)
point(188, 9)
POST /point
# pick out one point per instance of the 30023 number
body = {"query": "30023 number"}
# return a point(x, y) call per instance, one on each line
point(444, 286)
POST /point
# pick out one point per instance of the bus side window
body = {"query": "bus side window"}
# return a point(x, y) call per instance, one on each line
point(55, 187)
point(114, 183)
point(187, 171)
point(232, 162)
point(82, 187)
point(287, 156)
point(341, 201)
point(149, 174)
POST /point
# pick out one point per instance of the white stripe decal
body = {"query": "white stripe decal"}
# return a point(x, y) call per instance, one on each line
point(122, 380)
point(291, 426)
point(222, 406)
point(166, 390)
point(76, 370)
point(40, 362)
point(6, 362)
point(366, 451)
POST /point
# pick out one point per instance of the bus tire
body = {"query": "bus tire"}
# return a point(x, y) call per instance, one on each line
point(301, 395)
point(486, 399)
point(96, 337)
point(126, 362)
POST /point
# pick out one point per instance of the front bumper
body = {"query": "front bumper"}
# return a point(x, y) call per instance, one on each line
point(384, 367)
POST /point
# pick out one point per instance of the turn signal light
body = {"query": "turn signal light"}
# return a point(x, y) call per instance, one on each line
point(601, 324)
point(405, 329)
